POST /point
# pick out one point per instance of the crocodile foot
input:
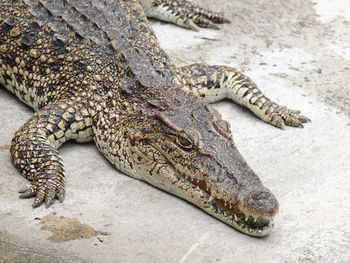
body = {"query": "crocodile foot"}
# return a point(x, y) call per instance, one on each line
point(182, 13)
point(45, 190)
point(283, 116)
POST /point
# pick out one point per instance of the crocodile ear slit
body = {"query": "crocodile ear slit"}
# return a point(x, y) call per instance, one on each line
point(161, 116)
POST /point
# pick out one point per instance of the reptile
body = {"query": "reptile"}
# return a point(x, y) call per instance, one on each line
point(93, 70)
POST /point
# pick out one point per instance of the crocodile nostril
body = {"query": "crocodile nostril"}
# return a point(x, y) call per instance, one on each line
point(260, 196)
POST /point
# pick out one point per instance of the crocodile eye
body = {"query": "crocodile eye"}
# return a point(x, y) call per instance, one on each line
point(183, 142)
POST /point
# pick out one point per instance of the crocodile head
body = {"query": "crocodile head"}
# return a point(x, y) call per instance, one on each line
point(189, 152)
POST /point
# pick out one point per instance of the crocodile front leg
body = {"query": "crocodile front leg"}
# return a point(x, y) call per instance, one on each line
point(214, 83)
point(182, 13)
point(34, 148)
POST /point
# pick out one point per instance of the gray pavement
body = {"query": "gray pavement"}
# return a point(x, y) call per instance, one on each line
point(298, 52)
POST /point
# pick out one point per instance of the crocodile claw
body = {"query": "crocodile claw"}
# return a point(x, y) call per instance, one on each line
point(44, 191)
point(183, 13)
point(204, 18)
point(283, 116)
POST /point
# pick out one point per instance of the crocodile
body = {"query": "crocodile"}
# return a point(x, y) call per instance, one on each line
point(93, 70)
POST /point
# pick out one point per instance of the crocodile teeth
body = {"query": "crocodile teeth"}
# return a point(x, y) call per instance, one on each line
point(211, 198)
point(230, 206)
point(236, 218)
point(246, 218)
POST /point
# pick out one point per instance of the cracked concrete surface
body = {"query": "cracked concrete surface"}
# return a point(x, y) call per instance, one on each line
point(298, 53)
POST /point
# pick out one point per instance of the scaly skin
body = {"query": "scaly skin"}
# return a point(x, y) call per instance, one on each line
point(93, 70)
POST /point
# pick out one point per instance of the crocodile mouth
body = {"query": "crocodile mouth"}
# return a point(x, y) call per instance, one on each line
point(199, 193)
point(245, 221)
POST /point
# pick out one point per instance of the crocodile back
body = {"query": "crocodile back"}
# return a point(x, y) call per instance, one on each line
point(54, 49)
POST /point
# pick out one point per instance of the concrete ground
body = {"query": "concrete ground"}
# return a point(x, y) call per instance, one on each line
point(298, 52)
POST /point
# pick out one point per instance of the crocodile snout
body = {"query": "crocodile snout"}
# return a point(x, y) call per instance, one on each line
point(259, 201)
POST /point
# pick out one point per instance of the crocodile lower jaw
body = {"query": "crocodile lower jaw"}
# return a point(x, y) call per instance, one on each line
point(245, 222)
